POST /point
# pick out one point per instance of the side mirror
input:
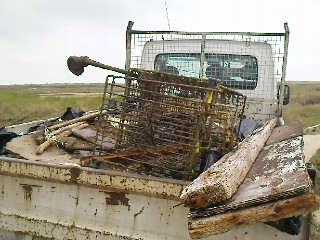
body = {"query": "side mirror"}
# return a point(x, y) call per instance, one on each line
point(286, 94)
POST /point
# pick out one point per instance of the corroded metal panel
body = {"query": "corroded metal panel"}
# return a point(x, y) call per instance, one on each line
point(95, 178)
point(271, 211)
point(69, 211)
point(48, 209)
point(128, 182)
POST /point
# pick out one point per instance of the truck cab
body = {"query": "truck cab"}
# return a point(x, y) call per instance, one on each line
point(252, 64)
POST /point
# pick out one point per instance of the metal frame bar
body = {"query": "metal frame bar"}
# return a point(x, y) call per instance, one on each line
point(207, 33)
point(202, 56)
point(284, 68)
point(128, 45)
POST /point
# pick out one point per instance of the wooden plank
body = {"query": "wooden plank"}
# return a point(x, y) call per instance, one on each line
point(25, 147)
point(284, 208)
point(284, 132)
point(222, 180)
point(279, 171)
point(75, 120)
point(72, 144)
point(91, 136)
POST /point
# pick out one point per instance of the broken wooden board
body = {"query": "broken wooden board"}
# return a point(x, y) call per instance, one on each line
point(278, 172)
point(272, 211)
point(61, 132)
point(91, 136)
point(222, 180)
point(72, 144)
point(284, 132)
point(25, 147)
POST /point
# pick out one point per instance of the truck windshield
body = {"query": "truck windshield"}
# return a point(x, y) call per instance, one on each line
point(234, 71)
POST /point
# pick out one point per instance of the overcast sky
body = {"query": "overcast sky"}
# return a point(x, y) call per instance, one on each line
point(37, 36)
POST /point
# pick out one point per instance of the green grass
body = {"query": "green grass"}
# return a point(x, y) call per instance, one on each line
point(17, 106)
point(315, 159)
point(304, 103)
point(20, 103)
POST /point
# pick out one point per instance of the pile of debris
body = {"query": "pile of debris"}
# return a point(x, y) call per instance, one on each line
point(166, 127)
point(178, 127)
point(64, 139)
point(271, 184)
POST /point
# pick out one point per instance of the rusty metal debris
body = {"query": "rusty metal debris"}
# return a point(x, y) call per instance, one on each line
point(161, 110)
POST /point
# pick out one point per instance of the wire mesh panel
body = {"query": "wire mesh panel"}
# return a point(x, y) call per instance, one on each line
point(166, 123)
point(251, 63)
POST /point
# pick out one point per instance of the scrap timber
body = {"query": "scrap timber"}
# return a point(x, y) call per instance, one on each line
point(276, 187)
point(221, 181)
point(279, 209)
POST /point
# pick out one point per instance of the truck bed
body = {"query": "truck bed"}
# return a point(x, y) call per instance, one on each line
point(58, 199)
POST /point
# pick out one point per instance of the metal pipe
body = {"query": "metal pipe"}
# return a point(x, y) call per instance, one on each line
point(77, 64)
point(207, 33)
point(128, 45)
point(202, 55)
point(284, 68)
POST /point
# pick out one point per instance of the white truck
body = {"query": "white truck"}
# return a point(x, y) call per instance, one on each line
point(57, 199)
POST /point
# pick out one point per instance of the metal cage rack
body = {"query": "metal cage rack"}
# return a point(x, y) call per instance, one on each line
point(198, 45)
point(166, 124)
point(249, 62)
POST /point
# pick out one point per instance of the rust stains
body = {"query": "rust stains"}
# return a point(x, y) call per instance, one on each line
point(28, 189)
point(138, 213)
point(74, 173)
point(117, 198)
point(272, 211)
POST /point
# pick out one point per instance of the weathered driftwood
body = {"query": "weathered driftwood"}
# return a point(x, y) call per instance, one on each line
point(222, 180)
point(62, 132)
point(277, 172)
point(294, 206)
point(65, 123)
point(75, 120)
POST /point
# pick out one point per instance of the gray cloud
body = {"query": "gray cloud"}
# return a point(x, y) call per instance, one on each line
point(37, 36)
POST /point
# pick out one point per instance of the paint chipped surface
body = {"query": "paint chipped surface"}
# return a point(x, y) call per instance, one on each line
point(278, 172)
point(127, 182)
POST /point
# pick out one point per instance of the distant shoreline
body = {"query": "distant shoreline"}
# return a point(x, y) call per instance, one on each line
point(102, 84)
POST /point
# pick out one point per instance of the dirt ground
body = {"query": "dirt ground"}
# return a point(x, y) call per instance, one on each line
point(311, 145)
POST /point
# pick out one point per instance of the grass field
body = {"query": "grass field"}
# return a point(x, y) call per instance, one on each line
point(304, 104)
point(20, 103)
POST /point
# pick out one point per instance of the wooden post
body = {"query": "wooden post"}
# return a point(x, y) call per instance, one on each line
point(284, 208)
point(222, 179)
